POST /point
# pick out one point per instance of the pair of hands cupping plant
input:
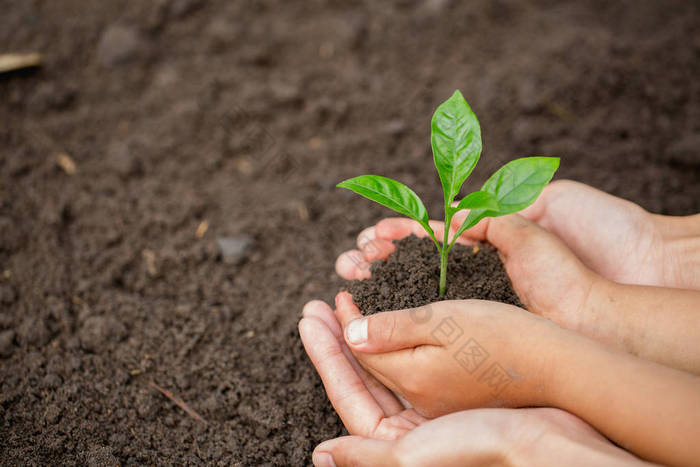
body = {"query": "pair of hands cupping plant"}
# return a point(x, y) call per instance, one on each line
point(565, 256)
point(541, 265)
point(387, 431)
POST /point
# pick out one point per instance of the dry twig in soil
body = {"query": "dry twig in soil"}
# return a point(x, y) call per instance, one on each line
point(179, 402)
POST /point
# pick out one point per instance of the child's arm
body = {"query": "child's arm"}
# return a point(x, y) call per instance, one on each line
point(647, 408)
point(454, 355)
point(655, 323)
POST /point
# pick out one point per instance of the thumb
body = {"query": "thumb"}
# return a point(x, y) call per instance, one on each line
point(354, 451)
point(507, 233)
point(390, 331)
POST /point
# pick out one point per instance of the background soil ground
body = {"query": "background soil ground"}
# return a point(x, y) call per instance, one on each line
point(244, 115)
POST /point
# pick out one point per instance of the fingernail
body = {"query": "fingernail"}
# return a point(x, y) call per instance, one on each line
point(357, 331)
point(322, 459)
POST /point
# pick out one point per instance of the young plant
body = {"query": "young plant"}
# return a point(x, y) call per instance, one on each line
point(455, 137)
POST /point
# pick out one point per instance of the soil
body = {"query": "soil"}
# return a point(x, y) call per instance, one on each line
point(199, 212)
point(410, 277)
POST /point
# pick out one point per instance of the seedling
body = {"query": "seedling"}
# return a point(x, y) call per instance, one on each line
point(455, 137)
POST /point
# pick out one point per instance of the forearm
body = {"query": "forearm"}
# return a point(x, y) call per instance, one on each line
point(650, 410)
point(654, 323)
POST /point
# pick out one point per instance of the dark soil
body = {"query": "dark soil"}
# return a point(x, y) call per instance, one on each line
point(244, 115)
point(410, 277)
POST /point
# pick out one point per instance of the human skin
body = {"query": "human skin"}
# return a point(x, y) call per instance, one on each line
point(494, 437)
point(656, 323)
point(618, 239)
point(539, 363)
point(385, 433)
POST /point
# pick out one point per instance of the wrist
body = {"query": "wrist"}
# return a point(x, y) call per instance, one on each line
point(540, 356)
point(610, 317)
point(681, 250)
point(682, 262)
point(568, 371)
point(600, 317)
point(676, 226)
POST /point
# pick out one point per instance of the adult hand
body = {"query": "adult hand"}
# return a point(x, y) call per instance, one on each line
point(385, 433)
point(618, 239)
point(508, 437)
point(366, 407)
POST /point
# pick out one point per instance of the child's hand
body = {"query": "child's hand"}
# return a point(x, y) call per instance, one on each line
point(548, 278)
point(454, 355)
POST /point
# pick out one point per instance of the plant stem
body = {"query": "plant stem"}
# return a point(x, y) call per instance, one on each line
point(444, 251)
point(443, 271)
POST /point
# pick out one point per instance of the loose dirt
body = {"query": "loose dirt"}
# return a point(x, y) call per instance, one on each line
point(410, 277)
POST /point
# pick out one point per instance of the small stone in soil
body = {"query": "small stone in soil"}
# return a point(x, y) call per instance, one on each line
point(118, 44)
point(121, 159)
point(97, 331)
point(395, 127)
point(52, 414)
point(7, 346)
point(234, 250)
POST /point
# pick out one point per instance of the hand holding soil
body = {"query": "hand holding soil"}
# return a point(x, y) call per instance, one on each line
point(431, 355)
point(547, 277)
point(486, 437)
point(384, 432)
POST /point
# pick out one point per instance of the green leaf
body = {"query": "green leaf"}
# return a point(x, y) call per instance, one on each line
point(516, 185)
point(389, 193)
point(478, 200)
point(455, 137)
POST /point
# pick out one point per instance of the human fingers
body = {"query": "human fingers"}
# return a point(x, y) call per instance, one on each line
point(320, 310)
point(354, 451)
point(352, 265)
point(346, 311)
point(374, 248)
point(345, 308)
point(384, 397)
point(387, 331)
point(355, 405)
point(508, 234)
point(396, 228)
